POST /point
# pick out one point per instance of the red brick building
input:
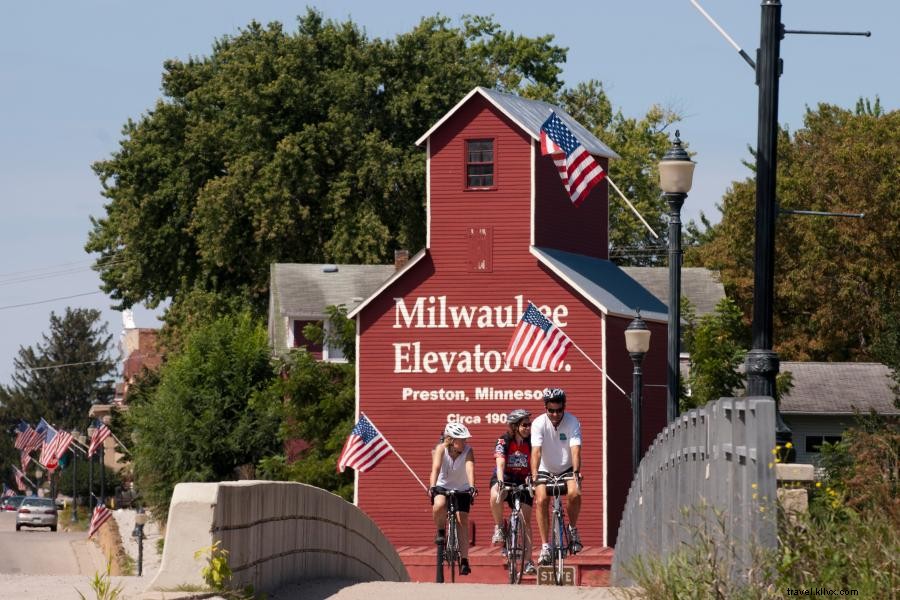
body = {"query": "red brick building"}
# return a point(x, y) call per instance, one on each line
point(432, 339)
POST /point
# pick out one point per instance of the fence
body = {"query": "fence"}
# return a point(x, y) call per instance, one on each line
point(708, 470)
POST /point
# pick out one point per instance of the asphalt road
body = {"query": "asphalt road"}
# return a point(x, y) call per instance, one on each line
point(40, 551)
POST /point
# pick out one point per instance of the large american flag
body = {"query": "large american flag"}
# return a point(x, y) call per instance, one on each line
point(101, 515)
point(364, 448)
point(577, 168)
point(101, 432)
point(537, 343)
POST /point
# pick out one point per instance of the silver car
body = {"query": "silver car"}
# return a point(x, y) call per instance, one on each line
point(37, 512)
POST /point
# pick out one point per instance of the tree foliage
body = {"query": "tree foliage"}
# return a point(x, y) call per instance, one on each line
point(42, 387)
point(833, 276)
point(718, 345)
point(209, 418)
point(300, 147)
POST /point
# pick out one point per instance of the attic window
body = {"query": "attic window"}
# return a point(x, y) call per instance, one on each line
point(479, 163)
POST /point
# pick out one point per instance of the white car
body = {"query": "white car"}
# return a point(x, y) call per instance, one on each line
point(37, 512)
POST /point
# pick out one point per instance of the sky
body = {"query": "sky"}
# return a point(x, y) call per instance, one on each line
point(72, 73)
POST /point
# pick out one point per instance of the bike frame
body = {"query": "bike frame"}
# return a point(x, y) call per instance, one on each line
point(516, 535)
point(451, 549)
point(559, 546)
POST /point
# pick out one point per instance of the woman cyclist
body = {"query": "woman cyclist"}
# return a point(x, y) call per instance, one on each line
point(513, 453)
point(453, 468)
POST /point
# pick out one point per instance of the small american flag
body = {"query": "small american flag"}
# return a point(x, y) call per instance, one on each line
point(47, 458)
point(23, 435)
point(577, 168)
point(61, 444)
point(25, 458)
point(7, 492)
point(20, 480)
point(101, 432)
point(101, 515)
point(537, 343)
point(364, 448)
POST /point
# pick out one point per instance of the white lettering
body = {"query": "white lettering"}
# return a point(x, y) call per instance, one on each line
point(400, 309)
point(433, 395)
point(431, 313)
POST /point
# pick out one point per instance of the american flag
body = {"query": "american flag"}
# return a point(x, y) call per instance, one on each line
point(20, 479)
point(364, 448)
point(35, 438)
point(25, 459)
point(61, 444)
point(7, 492)
point(47, 458)
point(101, 432)
point(24, 433)
point(537, 343)
point(101, 515)
point(577, 168)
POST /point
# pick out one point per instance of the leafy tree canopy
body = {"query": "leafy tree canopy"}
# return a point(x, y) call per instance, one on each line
point(299, 147)
point(209, 416)
point(834, 277)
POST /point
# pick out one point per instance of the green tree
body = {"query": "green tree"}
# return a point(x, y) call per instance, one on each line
point(208, 418)
point(60, 377)
point(718, 346)
point(833, 276)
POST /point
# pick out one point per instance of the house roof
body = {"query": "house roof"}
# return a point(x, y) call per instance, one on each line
point(701, 286)
point(305, 289)
point(603, 283)
point(529, 115)
point(839, 388)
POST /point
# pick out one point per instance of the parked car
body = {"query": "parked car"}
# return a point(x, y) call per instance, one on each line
point(11, 503)
point(37, 512)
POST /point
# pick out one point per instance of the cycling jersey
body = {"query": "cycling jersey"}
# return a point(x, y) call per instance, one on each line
point(517, 455)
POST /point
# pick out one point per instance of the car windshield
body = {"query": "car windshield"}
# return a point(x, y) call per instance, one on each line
point(39, 503)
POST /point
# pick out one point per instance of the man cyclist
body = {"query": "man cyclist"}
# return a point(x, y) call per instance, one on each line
point(556, 450)
point(453, 468)
point(512, 454)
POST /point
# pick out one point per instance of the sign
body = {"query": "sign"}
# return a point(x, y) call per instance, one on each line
point(545, 575)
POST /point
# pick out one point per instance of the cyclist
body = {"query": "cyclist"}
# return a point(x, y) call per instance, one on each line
point(556, 450)
point(453, 468)
point(512, 453)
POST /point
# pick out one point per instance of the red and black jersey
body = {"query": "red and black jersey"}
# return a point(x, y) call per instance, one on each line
point(517, 455)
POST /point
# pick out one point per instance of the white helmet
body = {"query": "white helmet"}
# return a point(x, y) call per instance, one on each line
point(457, 430)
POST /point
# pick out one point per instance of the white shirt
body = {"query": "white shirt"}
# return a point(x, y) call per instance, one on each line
point(453, 472)
point(555, 442)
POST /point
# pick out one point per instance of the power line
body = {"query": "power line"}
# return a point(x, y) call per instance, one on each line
point(87, 362)
point(48, 300)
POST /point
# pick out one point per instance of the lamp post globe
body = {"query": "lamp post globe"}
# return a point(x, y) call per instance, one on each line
point(637, 342)
point(676, 176)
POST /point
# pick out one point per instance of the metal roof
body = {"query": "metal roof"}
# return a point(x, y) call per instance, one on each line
point(603, 283)
point(529, 115)
point(701, 286)
point(839, 388)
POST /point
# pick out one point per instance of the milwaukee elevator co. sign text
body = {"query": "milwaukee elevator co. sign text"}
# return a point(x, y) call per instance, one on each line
point(434, 312)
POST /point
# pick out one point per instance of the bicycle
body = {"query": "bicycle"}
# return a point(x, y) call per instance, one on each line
point(450, 547)
point(516, 543)
point(560, 544)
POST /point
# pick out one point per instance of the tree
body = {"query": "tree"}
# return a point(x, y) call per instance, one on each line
point(718, 345)
point(833, 276)
point(209, 417)
point(300, 147)
point(60, 377)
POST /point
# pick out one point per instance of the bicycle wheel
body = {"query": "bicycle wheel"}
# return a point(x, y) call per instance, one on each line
point(559, 550)
point(452, 550)
point(516, 550)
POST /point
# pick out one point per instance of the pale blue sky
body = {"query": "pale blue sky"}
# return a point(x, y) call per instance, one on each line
point(71, 73)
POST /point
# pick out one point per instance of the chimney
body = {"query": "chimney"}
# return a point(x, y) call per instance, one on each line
point(401, 257)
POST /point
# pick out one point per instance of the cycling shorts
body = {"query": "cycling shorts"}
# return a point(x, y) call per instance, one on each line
point(526, 498)
point(463, 499)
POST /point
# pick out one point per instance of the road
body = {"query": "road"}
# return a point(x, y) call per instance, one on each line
point(43, 552)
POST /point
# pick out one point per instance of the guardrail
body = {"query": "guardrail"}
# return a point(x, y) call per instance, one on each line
point(709, 469)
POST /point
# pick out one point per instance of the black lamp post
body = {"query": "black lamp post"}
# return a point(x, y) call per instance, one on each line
point(90, 432)
point(74, 519)
point(676, 174)
point(140, 519)
point(637, 342)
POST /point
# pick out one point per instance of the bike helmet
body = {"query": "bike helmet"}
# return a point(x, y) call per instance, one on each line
point(457, 430)
point(554, 395)
point(517, 415)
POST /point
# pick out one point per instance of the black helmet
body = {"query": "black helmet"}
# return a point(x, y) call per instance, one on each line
point(517, 415)
point(554, 395)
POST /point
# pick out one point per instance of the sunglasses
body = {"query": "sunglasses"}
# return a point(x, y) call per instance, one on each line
point(525, 424)
point(556, 411)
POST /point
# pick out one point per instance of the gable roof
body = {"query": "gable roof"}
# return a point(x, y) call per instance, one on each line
point(603, 283)
point(839, 388)
point(529, 115)
point(305, 289)
point(701, 286)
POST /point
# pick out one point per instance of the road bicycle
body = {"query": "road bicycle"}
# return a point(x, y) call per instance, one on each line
point(516, 543)
point(450, 547)
point(560, 544)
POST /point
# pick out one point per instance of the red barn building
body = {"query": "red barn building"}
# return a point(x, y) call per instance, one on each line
point(431, 340)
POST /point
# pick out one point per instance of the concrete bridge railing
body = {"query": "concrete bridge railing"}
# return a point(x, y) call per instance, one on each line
point(276, 533)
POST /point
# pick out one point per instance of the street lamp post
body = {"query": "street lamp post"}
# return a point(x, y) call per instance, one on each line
point(676, 173)
point(637, 342)
point(74, 518)
point(140, 519)
point(90, 432)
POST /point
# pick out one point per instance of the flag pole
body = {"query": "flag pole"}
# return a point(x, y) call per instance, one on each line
point(405, 464)
point(24, 476)
point(633, 209)
point(119, 442)
point(590, 360)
